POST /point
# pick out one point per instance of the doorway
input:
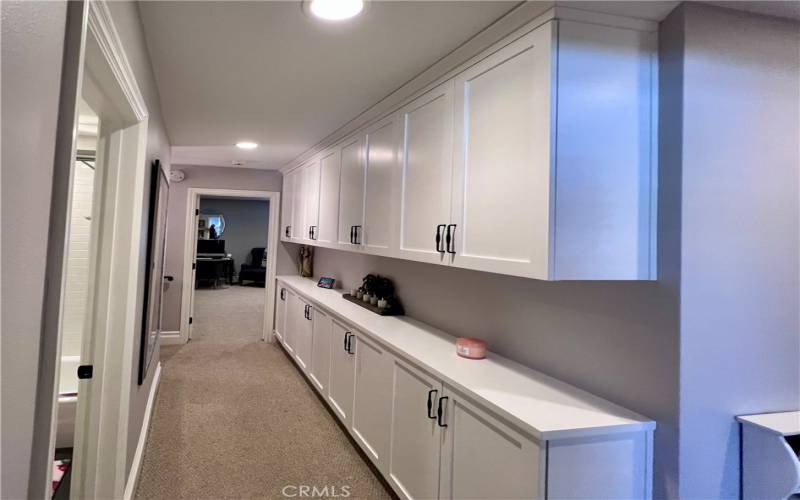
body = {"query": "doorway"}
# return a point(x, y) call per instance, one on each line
point(229, 264)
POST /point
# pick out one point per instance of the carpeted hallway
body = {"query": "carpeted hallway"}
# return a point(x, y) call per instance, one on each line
point(235, 419)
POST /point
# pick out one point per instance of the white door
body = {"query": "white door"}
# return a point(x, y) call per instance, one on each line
point(301, 336)
point(415, 436)
point(280, 314)
point(329, 197)
point(426, 175)
point(287, 205)
point(381, 166)
point(321, 349)
point(481, 454)
point(311, 194)
point(340, 389)
point(351, 193)
point(372, 405)
point(298, 204)
point(501, 191)
point(291, 321)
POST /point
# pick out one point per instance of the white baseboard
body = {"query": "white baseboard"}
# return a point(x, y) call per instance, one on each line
point(171, 338)
point(136, 466)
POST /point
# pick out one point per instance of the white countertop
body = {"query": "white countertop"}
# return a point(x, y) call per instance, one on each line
point(539, 404)
point(785, 423)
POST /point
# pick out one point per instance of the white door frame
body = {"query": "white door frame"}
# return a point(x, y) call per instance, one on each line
point(190, 243)
point(101, 422)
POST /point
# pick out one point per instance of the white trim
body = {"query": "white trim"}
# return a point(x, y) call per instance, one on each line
point(190, 240)
point(102, 27)
point(172, 337)
point(136, 465)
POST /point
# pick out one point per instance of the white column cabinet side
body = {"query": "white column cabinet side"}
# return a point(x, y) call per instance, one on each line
point(319, 372)
point(381, 145)
point(351, 193)
point(329, 197)
point(425, 184)
point(342, 372)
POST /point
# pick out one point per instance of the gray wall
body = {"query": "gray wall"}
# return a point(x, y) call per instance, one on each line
point(246, 225)
point(32, 50)
point(740, 337)
point(201, 177)
point(125, 15)
point(616, 339)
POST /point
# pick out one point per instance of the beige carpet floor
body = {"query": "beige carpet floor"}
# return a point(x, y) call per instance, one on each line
point(235, 419)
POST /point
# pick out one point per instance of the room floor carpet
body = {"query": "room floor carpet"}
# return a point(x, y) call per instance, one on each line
point(235, 419)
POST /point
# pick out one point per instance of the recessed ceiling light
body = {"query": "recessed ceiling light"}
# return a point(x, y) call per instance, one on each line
point(334, 10)
point(246, 145)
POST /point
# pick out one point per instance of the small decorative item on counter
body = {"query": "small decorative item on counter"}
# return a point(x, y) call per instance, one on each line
point(373, 299)
point(471, 348)
point(376, 293)
point(383, 303)
point(359, 294)
point(366, 298)
point(326, 282)
point(306, 261)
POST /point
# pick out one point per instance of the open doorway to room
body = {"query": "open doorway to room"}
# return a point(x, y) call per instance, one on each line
point(230, 269)
point(229, 265)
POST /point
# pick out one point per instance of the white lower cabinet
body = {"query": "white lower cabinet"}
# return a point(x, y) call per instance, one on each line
point(342, 372)
point(280, 314)
point(321, 349)
point(372, 404)
point(415, 436)
point(448, 428)
point(482, 457)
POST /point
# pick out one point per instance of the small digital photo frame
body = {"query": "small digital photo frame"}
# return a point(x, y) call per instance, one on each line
point(326, 282)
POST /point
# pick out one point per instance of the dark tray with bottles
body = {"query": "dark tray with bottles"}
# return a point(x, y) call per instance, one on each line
point(394, 309)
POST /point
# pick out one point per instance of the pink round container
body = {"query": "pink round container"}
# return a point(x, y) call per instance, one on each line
point(467, 347)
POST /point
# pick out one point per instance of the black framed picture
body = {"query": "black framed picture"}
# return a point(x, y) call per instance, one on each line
point(154, 270)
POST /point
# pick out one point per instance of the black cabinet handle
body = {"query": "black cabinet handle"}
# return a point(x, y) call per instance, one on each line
point(356, 239)
point(168, 278)
point(309, 232)
point(439, 238)
point(352, 234)
point(313, 232)
point(349, 343)
point(287, 231)
point(430, 402)
point(346, 334)
point(283, 294)
point(450, 238)
point(440, 412)
point(308, 314)
point(305, 312)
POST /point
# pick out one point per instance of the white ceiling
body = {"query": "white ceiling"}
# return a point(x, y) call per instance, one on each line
point(264, 71)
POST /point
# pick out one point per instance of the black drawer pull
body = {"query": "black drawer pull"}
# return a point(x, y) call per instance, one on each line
point(356, 236)
point(451, 238)
point(439, 238)
point(352, 235)
point(346, 334)
point(430, 403)
point(440, 412)
point(308, 313)
point(349, 343)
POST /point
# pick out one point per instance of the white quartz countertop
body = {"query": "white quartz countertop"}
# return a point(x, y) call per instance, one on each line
point(537, 403)
point(785, 423)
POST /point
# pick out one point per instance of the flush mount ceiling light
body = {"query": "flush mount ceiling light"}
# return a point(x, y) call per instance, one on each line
point(246, 145)
point(333, 10)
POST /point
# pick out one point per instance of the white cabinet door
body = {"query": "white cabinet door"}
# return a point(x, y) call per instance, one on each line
point(311, 174)
point(426, 175)
point(329, 197)
point(291, 321)
point(381, 167)
point(280, 314)
point(351, 193)
point(298, 204)
point(483, 457)
point(340, 388)
point(302, 334)
point(372, 405)
point(321, 349)
point(415, 446)
point(501, 190)
point(287, 205)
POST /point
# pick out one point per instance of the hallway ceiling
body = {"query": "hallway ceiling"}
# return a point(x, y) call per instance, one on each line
point(266, 72)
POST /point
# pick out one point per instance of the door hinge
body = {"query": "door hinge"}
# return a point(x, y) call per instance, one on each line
point(190, 320)
point(85, 371)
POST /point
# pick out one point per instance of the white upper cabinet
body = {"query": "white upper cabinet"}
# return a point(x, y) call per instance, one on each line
point(501, 191)
point(426, 175)
point(381, 171)
point(311, 173)
point(329, 197)
point(351, 193)
point(537, 158)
